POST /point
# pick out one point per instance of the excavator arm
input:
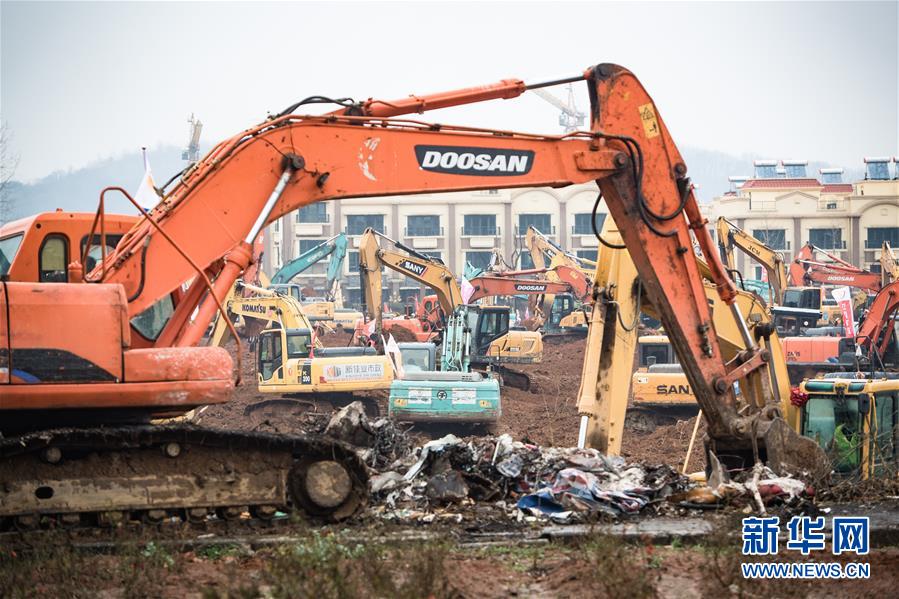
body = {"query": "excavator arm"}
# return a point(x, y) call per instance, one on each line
point(731, 236)
point(491, 286)
point(540, 247)
point(289, 161)
point(414, 265)
point(832, 274)
point(335, 247)
point(889, 267)
point(879, 325)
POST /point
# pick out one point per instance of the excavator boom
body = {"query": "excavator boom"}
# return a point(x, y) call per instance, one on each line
point(731, 236)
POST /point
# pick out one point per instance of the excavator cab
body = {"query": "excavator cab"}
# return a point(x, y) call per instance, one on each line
point(856, 422)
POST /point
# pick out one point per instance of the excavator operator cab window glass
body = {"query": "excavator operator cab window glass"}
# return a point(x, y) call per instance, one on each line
point(268, 353)
point(493, 324)
point(416, 360)
point(298, 343)
point(886, 439)
point(655, 353)
point(562, 307)
point(8, 248)
point(834, 424)
point(150, 322)
point(96, 252)
point(54, 256)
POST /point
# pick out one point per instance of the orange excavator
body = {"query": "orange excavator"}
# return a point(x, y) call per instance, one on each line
point(72, 354)
point(568, 287)
point(805, 270)
point(878, 329)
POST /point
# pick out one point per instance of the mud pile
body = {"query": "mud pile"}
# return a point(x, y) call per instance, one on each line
point(546, 415)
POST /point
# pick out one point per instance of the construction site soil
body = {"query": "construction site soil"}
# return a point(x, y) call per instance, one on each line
point(546, 414)
point(483, 556)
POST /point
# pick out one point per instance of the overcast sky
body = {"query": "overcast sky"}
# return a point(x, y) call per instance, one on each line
point(84, 81)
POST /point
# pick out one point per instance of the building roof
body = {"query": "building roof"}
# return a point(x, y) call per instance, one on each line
point(780, 183)
point(837, 188)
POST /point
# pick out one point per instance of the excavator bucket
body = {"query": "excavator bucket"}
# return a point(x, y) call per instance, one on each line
point(790, 453)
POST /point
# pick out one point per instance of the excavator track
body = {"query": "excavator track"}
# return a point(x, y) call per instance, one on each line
point(109, 476)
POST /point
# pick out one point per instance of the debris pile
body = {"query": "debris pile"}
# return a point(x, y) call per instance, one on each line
point(496, 477)
point(518, 480)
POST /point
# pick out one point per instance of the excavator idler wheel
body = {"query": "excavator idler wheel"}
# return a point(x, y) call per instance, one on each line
point(172, 450)
point(51, 455)
point(323, 488)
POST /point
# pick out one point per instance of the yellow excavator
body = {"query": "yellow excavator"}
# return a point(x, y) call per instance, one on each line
point(494, 344)
point(845, 404)
point(291, 359)
point(541, 247)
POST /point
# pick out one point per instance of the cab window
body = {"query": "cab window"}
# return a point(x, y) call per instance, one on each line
point(95, 254)
point(54, 255)
point(298, 345)
point(657, 353)
point(150, 322)
point(834, 424)
point(493, 324)
point(269, 349)
point(8, 249)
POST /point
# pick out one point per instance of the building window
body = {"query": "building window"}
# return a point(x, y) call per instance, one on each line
point(776, 239)
point(582, 223)
point(313, 213)
point(304, 245)
point(357, 223)
point(479, 260)
point(423, 225)
point(435, 256)
point(541, 222)
point(276, 255)
point(877, 235)
point(480, 224)
point(525, 261)
point(877, 170)
point(587, 254)
point(352, 260)
point(276, 226)
point(827, 239)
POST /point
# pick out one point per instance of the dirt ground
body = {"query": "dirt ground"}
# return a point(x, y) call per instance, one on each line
point(545, 415)
point(326, 562)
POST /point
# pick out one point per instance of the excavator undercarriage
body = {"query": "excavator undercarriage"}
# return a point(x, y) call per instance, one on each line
point(107, 476)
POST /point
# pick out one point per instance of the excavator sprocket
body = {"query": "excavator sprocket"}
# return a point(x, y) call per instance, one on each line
point(104, 475)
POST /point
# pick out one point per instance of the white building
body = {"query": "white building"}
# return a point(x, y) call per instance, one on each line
point(455, 227)
point(786, 210)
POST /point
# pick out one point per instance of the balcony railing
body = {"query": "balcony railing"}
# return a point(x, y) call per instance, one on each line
point(831, 245)
point(876, 245)
point(481, 231)
point(355, 232)
point(423, 232)
point(523, 231)
point(316, 219)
